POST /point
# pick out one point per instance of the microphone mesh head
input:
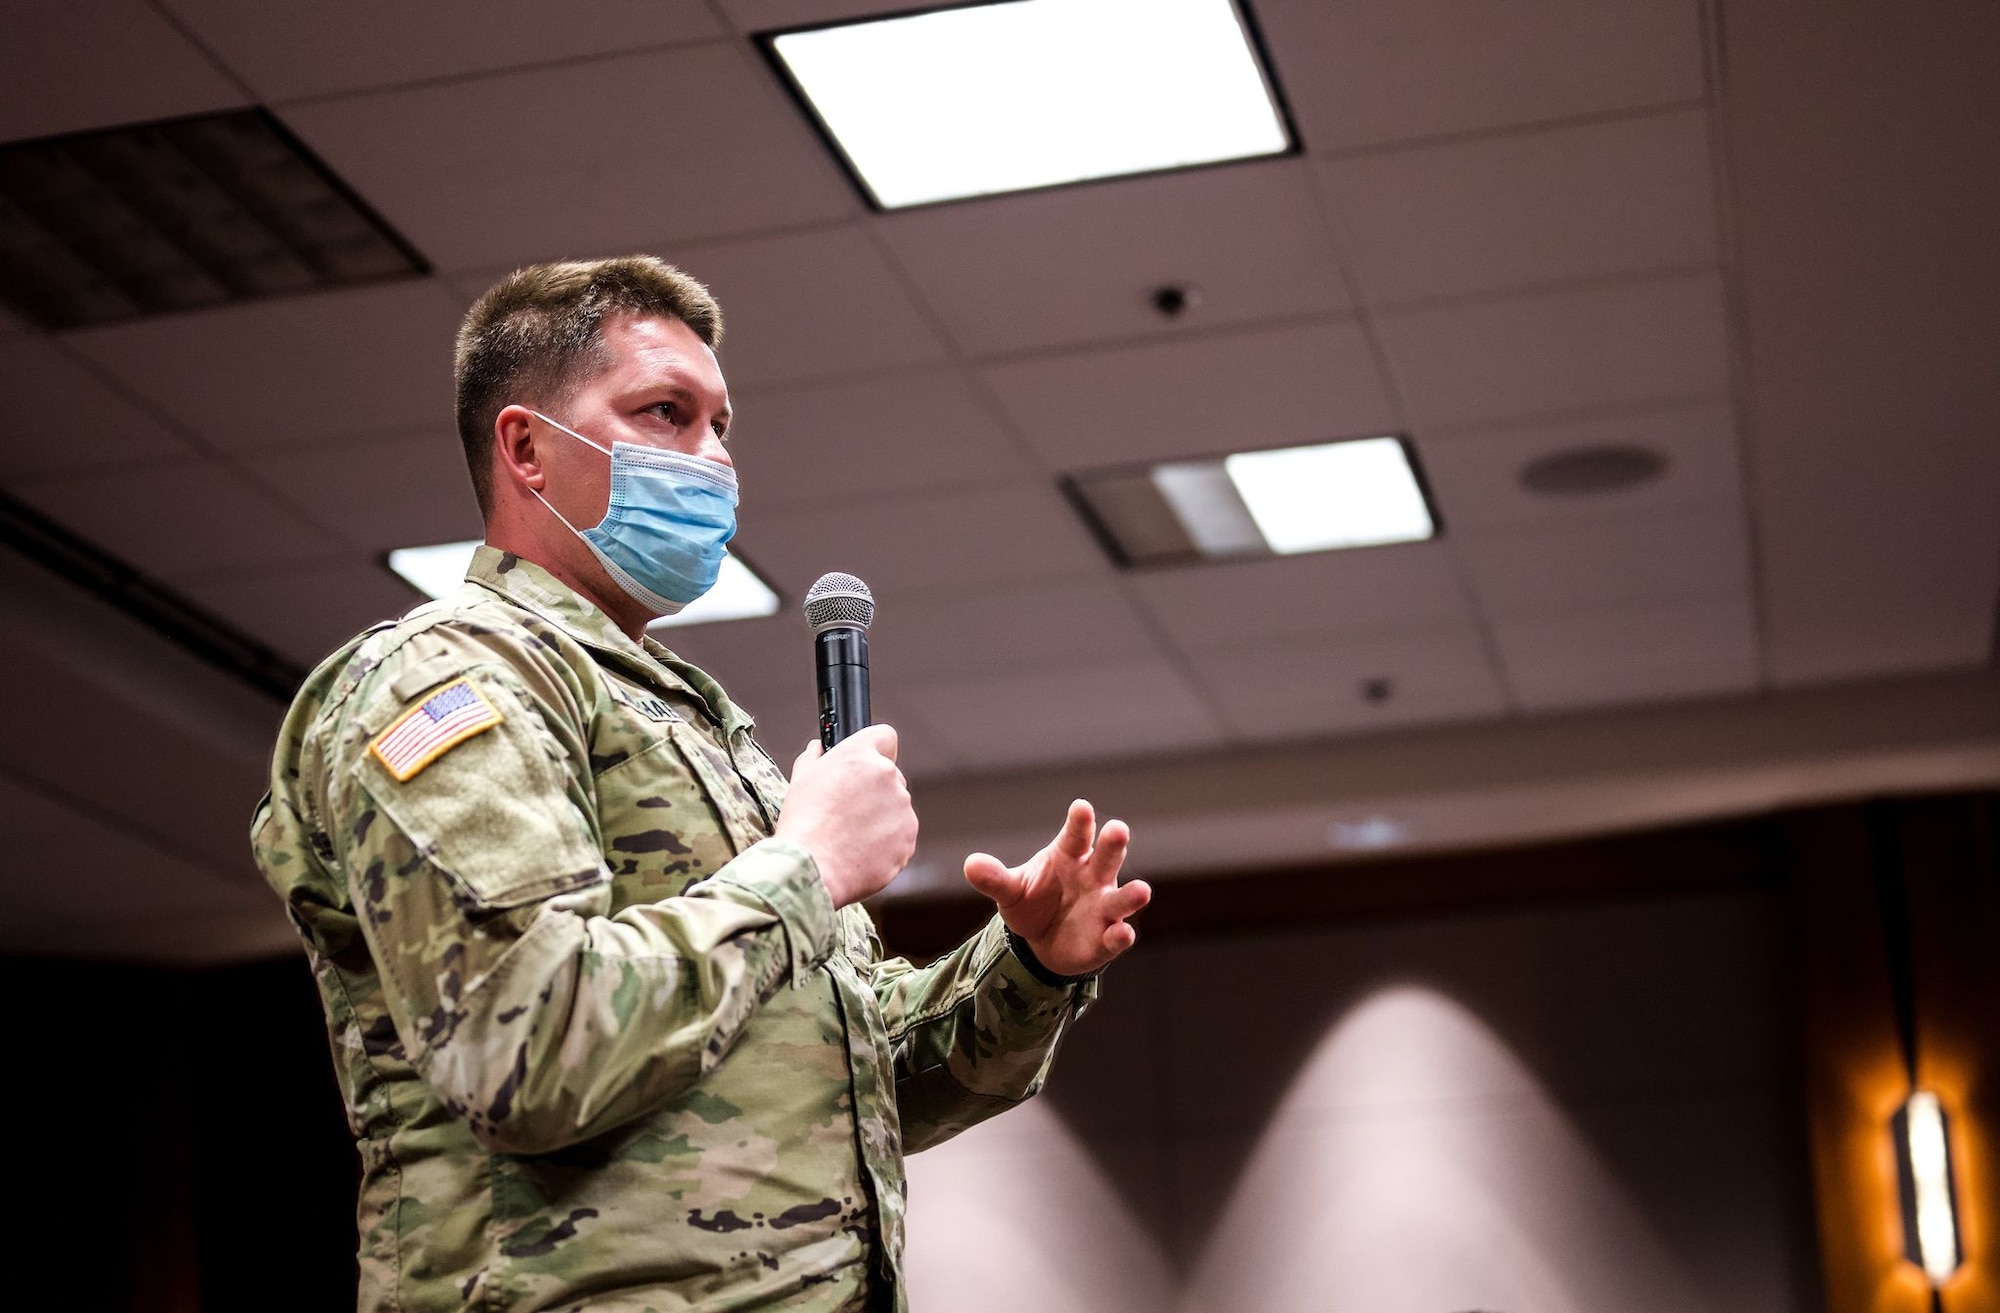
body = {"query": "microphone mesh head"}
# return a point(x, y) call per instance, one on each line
point(839, 601)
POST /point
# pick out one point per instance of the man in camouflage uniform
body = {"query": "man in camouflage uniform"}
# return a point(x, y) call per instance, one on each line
point(612, 1029)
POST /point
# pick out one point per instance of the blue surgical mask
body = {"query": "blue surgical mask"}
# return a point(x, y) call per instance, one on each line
point(662, 536)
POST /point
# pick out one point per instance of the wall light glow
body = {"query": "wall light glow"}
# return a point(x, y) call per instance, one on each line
point(1929, 1194)
point(1017, 1214)
point(1416, 1163)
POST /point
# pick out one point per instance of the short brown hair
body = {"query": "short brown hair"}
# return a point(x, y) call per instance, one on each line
point(538, 333)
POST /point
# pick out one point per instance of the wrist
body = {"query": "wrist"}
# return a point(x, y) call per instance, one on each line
point(1035, 966)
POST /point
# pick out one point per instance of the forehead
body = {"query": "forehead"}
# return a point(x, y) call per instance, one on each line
point(640, 351)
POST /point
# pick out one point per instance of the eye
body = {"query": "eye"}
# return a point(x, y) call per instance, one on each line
point(721, 428)
point(666, 410)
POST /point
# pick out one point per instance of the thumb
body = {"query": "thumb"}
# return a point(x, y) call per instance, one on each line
point(812, 754)
point(985, 873)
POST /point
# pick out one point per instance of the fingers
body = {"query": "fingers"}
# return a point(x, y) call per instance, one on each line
point(875, 738)
point(1128, 899)
point(1118, 904)
point(985, 873)
point(1079, 828)
point(1114, 841)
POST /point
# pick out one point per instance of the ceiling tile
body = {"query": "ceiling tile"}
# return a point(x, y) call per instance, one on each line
point(1012, 533)
point(1411, 585)
point(101, 63)
point(1292, 690)
point(1570, 565)
point(809, 445)
point(301, 369)
point(1012, 629)
point(1476, 475)
point(810, 305)
point(309, 50)
point(1358, 73)
point(518, 167)
point(1067, 714)
point(761, 15)
point(179, 520)
point(305, 612)
point(1649, 652)
point(1196, 397)
point(1080, 263)
point(1656, 340)
point(59, 417)
point(1538, 207)
point(407, 491)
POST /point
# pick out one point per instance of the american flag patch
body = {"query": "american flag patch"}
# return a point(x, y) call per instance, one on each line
point(432, 728)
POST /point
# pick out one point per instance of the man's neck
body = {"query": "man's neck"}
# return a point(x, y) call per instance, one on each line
point(588, 581)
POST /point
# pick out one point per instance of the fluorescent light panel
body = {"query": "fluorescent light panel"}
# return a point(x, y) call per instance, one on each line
point(1362, 492)
point(1338, 494)
point(738, 593)
point(991, 98)
point(434, 570)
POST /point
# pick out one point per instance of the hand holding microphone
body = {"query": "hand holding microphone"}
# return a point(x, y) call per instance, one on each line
point(848, 804)
point(850, 807)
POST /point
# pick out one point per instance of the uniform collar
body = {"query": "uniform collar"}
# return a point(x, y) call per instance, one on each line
point(526, 584)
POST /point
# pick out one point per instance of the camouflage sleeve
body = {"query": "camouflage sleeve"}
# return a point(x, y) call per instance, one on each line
point(480, 888)
point(973, 1033)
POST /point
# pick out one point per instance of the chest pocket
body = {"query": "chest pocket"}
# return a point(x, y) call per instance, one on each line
point(755, 766)
point(671, 808)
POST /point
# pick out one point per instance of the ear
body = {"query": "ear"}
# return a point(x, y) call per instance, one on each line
point(515, 455)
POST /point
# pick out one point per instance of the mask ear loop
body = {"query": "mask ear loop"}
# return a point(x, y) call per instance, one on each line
point(538, 492)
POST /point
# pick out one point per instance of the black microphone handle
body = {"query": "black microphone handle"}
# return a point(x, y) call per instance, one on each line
point(842, 658)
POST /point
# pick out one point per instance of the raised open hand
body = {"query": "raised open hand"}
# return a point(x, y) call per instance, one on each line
point(1066, 900)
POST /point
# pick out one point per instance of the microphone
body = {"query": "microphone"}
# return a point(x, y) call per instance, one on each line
point(840, 608)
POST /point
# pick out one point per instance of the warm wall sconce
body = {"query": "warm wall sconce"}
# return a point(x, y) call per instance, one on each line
point(1925, 1181)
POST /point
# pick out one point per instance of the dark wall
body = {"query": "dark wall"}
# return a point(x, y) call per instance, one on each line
point(177, 1139)
point(175, 1142)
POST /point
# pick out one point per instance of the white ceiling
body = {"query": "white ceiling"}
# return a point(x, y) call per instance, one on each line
point(1517, 226)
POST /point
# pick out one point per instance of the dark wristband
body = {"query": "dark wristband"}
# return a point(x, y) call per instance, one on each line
point(1034, 964)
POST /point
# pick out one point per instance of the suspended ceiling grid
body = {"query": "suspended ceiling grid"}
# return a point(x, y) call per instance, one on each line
point(1514, 229)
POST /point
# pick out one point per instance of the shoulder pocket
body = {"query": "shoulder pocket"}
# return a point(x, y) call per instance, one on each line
point(498, 812)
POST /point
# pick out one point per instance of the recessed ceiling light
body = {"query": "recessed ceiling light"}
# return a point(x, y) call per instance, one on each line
point(1362, 492)
point(738, 593)
point(978, 99)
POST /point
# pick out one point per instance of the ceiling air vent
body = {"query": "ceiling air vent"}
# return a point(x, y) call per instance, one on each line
point(1584, 470)
point(177, 215)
